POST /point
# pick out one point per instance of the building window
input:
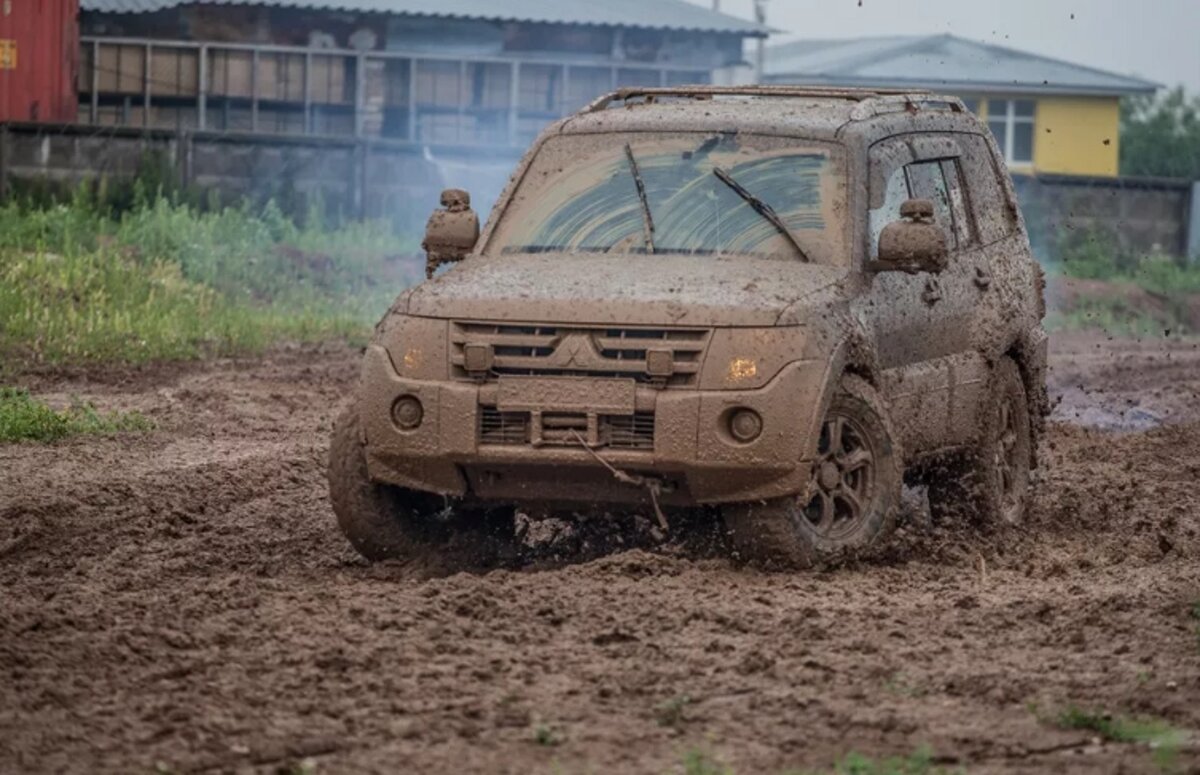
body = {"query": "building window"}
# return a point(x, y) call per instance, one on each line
point(1011, 121)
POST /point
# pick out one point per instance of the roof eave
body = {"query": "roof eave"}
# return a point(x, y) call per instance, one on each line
point(967, 87)
point(745, 28)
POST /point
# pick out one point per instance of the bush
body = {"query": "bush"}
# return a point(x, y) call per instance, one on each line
point(164, 280)
point(1096, 254)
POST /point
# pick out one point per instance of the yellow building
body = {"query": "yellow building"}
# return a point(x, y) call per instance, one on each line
point(1049, 116)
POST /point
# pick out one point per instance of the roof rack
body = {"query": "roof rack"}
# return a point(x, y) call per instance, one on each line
point(704, 92)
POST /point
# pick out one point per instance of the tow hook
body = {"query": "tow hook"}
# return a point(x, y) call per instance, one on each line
point(652, 485)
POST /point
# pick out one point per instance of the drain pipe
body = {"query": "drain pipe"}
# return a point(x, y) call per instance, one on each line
point(1193, 229)
point(760, 57)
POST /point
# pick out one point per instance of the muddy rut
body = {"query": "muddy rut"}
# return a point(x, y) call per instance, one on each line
point(182, 599)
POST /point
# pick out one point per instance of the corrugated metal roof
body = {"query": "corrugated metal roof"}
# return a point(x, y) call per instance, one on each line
point(660, 14)
point(940, 62)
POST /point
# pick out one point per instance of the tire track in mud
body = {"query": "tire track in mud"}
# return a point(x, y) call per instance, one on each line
point(184, 597)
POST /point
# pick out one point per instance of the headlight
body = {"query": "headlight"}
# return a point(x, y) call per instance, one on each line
point(748, 358)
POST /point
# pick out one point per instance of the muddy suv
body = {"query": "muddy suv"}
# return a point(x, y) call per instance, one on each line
point(778, 302)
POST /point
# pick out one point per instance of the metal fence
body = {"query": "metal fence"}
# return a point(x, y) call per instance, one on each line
point(420, 98)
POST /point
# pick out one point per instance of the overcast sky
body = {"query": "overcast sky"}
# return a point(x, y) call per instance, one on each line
point(1154, 39)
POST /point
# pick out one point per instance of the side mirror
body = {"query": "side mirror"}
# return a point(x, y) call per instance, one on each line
point(451, 232)
point(914, 244)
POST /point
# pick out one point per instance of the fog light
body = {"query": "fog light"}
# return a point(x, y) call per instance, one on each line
point(478, 357)
point(660, 363)
point(407, 412)
point(745, 425)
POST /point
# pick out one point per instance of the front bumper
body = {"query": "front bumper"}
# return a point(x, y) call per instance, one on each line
point(692, 455)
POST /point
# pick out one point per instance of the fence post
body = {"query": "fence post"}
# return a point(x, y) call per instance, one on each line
point(1193, 226)
point(358, 178)
point(184, 162)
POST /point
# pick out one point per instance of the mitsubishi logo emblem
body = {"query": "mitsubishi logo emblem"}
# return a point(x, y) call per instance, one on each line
point(575, 350)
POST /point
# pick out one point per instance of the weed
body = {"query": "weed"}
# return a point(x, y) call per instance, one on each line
point(23, 418)
point(699, 762)
point(670, 713)
point(902, 686)
point(1163, 739)
point(917, 763)
point(545, 735)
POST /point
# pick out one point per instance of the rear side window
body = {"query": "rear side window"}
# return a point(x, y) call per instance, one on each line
point(987, 198)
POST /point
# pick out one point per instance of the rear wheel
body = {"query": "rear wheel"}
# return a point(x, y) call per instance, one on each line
point(384, 522)
point(852, 496)
point(991, 481)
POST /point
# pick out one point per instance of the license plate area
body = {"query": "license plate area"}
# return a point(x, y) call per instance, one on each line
point(552, 395)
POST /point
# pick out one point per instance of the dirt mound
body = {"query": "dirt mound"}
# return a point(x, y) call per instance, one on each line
point(183, 597)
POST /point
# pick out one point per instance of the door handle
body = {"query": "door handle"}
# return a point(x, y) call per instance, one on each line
point(933, 291)
point(983, 278)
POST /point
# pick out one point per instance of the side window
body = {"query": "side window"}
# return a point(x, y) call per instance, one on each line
point(895, 191)
point(938, 180)
point(985, 194)
point(926, 181)
point(964, 223)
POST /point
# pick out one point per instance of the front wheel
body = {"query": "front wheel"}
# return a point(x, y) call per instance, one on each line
point(392, 523)
point(852, 497)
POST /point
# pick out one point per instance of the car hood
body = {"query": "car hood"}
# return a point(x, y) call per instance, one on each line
point(621, 289)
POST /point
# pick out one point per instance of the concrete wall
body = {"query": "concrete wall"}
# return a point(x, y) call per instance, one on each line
point(1145, 214)
point(356, 178)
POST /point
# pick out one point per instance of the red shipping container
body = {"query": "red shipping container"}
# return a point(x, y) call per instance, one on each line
point(39, 60)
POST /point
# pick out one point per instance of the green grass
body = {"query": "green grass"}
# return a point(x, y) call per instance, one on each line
point(1095, 254)
point(918, 763)
point(1113, 316)
point(1160, 736)
point(696, 761)
point(165, 281)
point(22, 418)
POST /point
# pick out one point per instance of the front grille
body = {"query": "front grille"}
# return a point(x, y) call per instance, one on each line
point(565, 429)
point(496, 427)
point(573, 351)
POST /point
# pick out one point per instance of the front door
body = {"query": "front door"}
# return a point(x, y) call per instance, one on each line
point(923, 322)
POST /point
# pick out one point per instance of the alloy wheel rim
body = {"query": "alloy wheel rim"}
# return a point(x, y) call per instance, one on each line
point(1006, 463)
point(843, 478)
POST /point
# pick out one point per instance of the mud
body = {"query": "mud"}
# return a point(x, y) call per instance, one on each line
point(183, 598)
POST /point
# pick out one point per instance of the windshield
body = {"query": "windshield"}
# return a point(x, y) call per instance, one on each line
point(692, 193)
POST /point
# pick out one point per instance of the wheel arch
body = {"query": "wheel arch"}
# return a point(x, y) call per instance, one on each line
point(852, 355)
point(1029, 352)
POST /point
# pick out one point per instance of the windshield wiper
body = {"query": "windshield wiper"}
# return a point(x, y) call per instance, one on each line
point(647, 219)
point(760, 207)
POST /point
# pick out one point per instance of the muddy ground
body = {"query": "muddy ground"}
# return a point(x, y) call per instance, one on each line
point(183, 598)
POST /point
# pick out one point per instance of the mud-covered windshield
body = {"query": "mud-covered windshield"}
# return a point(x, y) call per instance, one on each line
point(693, 193)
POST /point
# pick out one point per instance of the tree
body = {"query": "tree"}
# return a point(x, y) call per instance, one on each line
point(1160, 136)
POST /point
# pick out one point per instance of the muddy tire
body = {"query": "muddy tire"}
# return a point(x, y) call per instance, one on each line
point(392, 523)
point(990, 482)
point(850, 504)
